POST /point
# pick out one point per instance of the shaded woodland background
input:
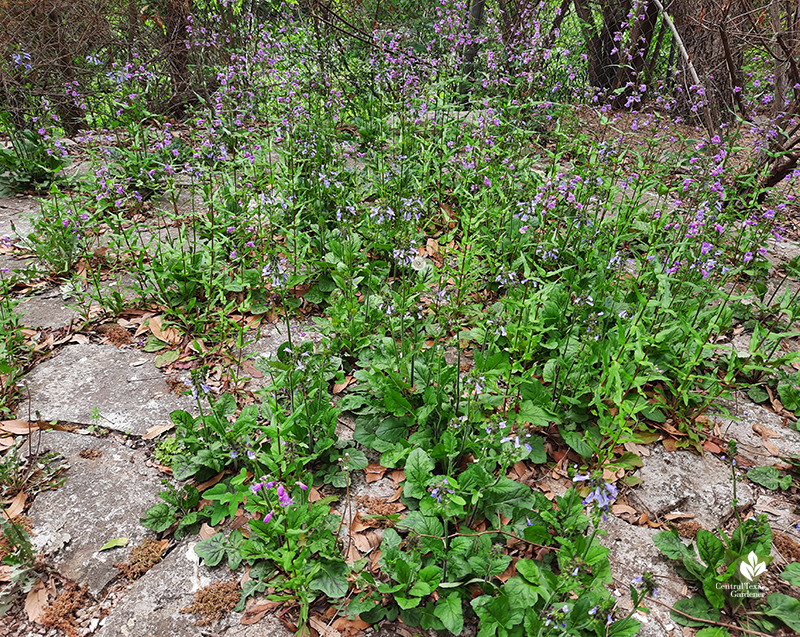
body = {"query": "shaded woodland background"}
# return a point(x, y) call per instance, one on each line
point(709, 58)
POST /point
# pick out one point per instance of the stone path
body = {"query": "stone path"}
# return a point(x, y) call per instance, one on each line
point(108, 397)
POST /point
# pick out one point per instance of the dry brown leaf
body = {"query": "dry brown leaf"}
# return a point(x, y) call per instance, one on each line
point(251, 370)
point(6, 443)
point(678, 516)
point(374, 558)
point(519, 472)
point(210, 482)
point(15, 506)
point(773, 450)
point(398, 476)
point(350, 627)
point(340, 387)
point(374, 472)
point(358, 525)
point(643, 519)
point(765, 432)
point(361, 542)
point(323, 628)
point(619, 509)
point(167, 334)
point(18, 427)
point(206, 531)
point(81, 339)
point(712, 447)
point(314, 494)
point(396, 495)
point(36, 601)
point(257, 611)
point(510, 571)
point(352, 553)
point(5, 573)
point(156, 431)
point(613, 476)
point(639, 450)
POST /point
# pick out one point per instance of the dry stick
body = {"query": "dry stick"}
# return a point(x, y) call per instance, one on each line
point(706, 115)
point(708, 621)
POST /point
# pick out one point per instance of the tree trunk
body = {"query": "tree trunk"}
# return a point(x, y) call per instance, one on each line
point(476, 10)
point(176, 14)
point(631, 75)
point(603, 45)
point(701, 28)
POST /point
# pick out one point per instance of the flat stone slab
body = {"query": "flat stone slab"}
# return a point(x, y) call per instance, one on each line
point(102, 499)
point(152, 605)
point(123, 385)
point(20, 211)
point(47, 310)
point(748, 420)
point(632, 553)
point(680, 481)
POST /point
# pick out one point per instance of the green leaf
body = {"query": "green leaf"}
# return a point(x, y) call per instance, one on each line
point(757, 394)
point(396, 403)
point(429, 578)
point(167, 357)
point(574, 440)
point(392, 429)
point(669, 543)
point(331, 579)
point(419, 470)
point(698, 607)
point(449, 610)
point(518, 588)
point(792, 574)
point(158, 518)
point(212, 550)
point(785, 608)
point(769, 477)
point(532, 413)
point(712, 631)
point(626, 627)
point(506, 496)
point(790, 396)
point(111, 544)
point(714, 594)
point(710, 548)
point(537, 454)
point(628, 461)
point(407, 602)
point(497, 611)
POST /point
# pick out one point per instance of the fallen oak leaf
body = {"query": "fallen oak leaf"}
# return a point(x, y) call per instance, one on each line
point(619, 509)
point(323, 628)
point(374, 472)
point(340, 387)
point(350, 627)
point(18, 427)
point(206, 531)
point(765, 432)
point(15, 506)
point(257, 611)
point(156, 431)
point(36, 601)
